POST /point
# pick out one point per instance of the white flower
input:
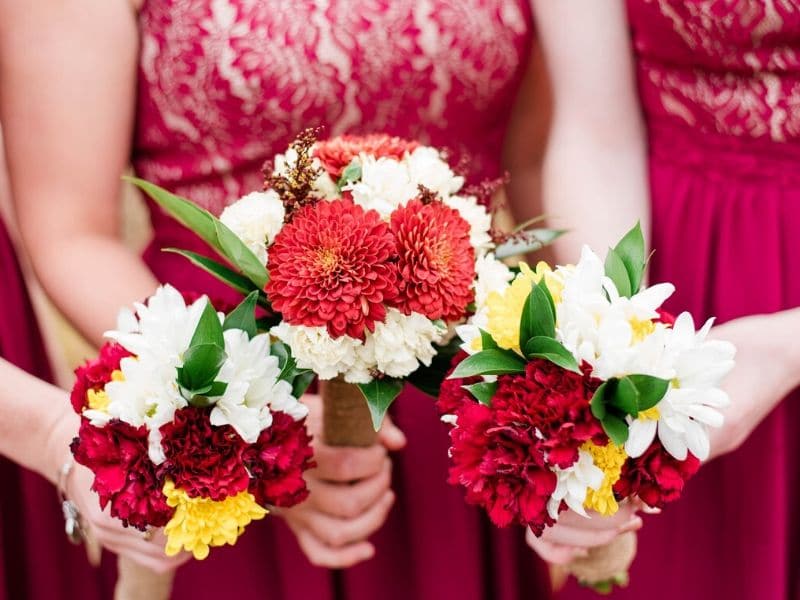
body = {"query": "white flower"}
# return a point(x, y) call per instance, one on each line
point(479, 219)
point(313, 348)
point(573, 482)
point(470, 332)
point(426, 167)
point(384, 185)
point(400, 343)
point(492, 275)
point(256, 219)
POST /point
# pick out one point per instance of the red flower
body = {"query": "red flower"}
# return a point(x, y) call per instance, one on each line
point(335, 154)
point(277, 462)
point(437, 261)
point(665, 317)
point(553, 401)
point(333, 265)
point(501, 468)
point(95, 374)
point(201, 459)
point(656, 476)
point(452, 394)
point(125, 477)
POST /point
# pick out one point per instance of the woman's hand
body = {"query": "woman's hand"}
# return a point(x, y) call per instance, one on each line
point(574, 535)
point(112, 535)
point(350, 496)
point(767, 369)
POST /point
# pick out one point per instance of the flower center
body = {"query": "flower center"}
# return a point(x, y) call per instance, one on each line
point(651, 414)
point(640, 329)
point(327, 260)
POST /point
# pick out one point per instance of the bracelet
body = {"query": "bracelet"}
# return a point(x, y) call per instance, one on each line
point(73, 526)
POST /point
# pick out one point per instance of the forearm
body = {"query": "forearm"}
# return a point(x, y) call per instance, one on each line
point(36, 423)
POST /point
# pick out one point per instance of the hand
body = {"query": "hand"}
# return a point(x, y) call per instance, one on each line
point(350, 496)
point(767, 369)
point(573, 535)
point(111, 534)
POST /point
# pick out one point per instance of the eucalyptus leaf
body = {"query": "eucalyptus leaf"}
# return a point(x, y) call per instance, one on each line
point(550, 349)
point(616, 428)
point(243, 316)
point(616, 272)
point(241, 256)
point(651, 390)
point(489, 362)
point(527, 241)
point(482, 391)
point(630, 250)
point(626, 397)
point(380, 393)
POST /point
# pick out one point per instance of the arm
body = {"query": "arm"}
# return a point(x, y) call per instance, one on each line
point(595, 177)
point(66, 104)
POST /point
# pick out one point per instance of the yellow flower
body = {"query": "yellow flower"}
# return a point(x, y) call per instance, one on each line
point(201, 522)
point(505, 308)
point(651, 414)
point(98, 399)
point(609, 459)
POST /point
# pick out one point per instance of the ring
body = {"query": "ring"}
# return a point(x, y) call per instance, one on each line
point(148, 534)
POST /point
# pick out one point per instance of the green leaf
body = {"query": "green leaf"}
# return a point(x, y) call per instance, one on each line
point(630, 250)
point(538, 314)
point(301, 382)
point(483, 391)
point(209, 329)
point(224, 274)
point(351, 173)
point(429, 379)
point(489, 362)
point(626, 397)
point(550, 349)
point(616, 429)
point(528, 241)
point(487, 341)
point(380, 393)
point(616, 271)
point(217, 388)
point(599, 399)
point(241, 256)
point(201, 365)
point(651, 390)
point(244, 316)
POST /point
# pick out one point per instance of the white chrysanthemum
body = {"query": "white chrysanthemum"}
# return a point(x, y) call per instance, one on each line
point(492, 275)
point(573, 482)
point(384, 185)
point(426, 167)
point(479, 219)
point(313, 348)
point(400, 343)
point(256, 219)
point(324, 186)
point(470, 332)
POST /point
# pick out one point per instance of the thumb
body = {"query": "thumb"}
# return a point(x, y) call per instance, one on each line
point(390, 435)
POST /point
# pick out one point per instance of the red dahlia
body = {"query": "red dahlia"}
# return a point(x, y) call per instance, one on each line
point(656, 476)
point(277, 462)
point(437, 261)
point(95, 374)
point(501, 468)
point(125, 477)
point(333, 265)
point(201, 459)
point(335, 154)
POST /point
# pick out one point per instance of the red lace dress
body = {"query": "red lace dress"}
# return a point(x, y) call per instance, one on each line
point(225, 84)
point(719, 82)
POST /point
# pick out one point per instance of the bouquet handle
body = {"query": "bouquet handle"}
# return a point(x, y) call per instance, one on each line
point(346, 420)
point(135, 582)
point(606, 566)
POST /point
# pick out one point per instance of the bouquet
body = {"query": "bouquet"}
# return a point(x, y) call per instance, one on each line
point(367, 250)
point(190, 421)
point(575, 390)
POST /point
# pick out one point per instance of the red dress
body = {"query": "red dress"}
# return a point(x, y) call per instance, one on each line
point(720, 87)
point(226, 84)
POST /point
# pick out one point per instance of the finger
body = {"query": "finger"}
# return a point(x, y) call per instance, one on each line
point(347, 464)
point(159, 564)
point(321, 555)
point(391, 436)
point(566, 535)
point(337, 533)
point(555, 553)
point(625, 513)
point(350, 500)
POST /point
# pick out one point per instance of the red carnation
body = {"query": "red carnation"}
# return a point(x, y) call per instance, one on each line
point(452, 394)
point(501, 468)
point(125, 477)
point(335, 154)
point(437, 261)
point(665, 317)
point(656, 476)
point(553, 401)
point(95, 374)
point(333, 265)
point(277, 462)
point(201, 459)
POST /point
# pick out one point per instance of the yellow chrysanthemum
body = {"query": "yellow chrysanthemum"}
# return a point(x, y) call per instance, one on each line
point(504, 309)
point(609, 459)
point(199, 523)
point(98, 399)
point(651, 414)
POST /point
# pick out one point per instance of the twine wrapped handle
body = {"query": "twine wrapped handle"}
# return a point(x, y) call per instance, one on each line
point(346, 420)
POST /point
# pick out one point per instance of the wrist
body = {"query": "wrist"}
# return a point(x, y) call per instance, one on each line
point(57, 448)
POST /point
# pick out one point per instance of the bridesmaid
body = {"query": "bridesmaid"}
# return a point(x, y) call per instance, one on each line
point(719, 91)
point(198, 93)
